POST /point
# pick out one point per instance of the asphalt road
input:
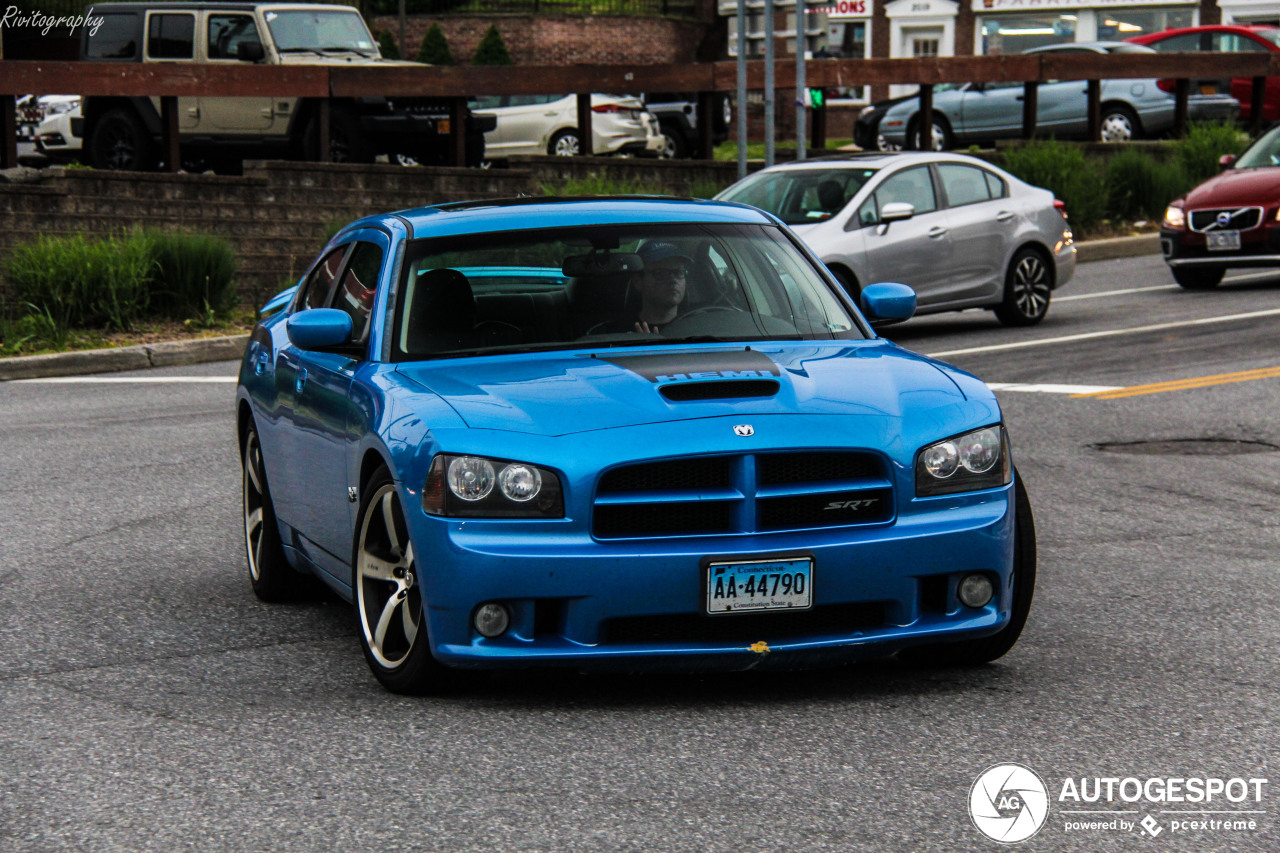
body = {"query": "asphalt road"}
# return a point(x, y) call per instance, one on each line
point(149, 702)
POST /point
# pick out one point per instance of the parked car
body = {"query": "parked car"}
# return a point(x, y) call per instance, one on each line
point(981, 112)
point(548, 124)
point(58, 137)
point(1229, 220)
point(124, 132)
point(31, 110)
point(1226, 38)
point(766, 483)
point(866, 127)
point(959, 231)
point(677, 117)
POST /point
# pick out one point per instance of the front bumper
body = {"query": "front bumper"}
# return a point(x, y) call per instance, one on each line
point(638, 604)
point(1259, 247)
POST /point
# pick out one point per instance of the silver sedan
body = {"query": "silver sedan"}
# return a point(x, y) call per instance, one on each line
point(960, 232)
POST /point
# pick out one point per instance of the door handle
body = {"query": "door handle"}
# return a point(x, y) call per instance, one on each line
point(1004, 216)
point(301, 380)
point(937, 232)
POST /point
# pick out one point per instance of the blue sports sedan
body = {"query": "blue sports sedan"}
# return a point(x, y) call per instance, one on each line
point(624, 434)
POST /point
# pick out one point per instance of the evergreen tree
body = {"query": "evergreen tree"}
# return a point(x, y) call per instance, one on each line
point(435, 48)
point(387, 44)
point(492, 50)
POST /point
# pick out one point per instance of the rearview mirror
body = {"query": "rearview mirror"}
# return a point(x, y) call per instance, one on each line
point(888, 302)
point(319, 328)
point(602, 263)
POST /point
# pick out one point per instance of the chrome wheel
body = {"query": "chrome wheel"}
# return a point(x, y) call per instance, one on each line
point(388, 600)
point(254, 505)
point(1119, 125)
point(270, 574)
point(565, 144)
point(1028, 286)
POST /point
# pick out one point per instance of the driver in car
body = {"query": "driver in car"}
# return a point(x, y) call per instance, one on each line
point(662, 286)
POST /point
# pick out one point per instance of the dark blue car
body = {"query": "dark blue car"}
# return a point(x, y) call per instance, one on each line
point(623, 434)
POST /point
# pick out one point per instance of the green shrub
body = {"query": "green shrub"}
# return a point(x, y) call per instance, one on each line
point(596, 183)
point(1066, 172)
point(1139, 187)
point(194, 275)
point(435, 48)
point(492, 50)
point(1198, 152)
point(387, 45)
point(79, 282)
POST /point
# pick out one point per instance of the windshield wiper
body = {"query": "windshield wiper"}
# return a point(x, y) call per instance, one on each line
point(316, 51)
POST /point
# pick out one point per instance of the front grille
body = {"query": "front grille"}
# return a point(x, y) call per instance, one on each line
point(831, 620)
point(1232, 219)
point(750, 493)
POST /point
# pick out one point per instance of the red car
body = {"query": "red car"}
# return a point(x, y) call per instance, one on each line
point(1226, 38)
point(1231, 220)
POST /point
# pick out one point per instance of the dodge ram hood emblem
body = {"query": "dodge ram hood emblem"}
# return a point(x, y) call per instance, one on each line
point(744, 430)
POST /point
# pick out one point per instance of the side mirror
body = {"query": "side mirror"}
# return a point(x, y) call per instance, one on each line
point(1226, 161)
point(319, 328)
point(888, 302)
point(250, 51)
point(896, 211)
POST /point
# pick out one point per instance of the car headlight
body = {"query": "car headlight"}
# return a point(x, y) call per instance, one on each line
point(480, 487)
point(966, 463)
point(1175, 217)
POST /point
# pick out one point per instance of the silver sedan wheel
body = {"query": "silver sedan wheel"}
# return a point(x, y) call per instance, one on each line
point(1029, 290)
point(387, 595)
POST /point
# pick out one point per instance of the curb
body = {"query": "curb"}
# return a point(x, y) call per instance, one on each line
point(140, 357)
point(230, 348)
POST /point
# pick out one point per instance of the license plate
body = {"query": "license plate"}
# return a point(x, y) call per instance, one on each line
point(1222, 241)
point(760, 585)
point(443, 126)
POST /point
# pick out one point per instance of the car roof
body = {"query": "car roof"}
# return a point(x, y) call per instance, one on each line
point(186, 6)
point(1095, 46)
point(1203, 28)
point(519, 214)
point(871, 160)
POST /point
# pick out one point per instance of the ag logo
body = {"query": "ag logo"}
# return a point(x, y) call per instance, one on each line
point(744, 430)
point(1008, 803)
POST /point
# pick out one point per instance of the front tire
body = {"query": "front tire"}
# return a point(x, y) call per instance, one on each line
point(390, 615)
point(1028, 286)
point(120, 142)
point(1201, 278)
point(940, 138)
point(673, 145)
point(270, 574)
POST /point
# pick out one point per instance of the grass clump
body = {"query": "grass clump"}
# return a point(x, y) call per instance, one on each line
point(194, 276)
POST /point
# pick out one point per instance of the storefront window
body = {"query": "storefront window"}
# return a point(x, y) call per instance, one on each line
point(1121, 24)
point(1016, 33)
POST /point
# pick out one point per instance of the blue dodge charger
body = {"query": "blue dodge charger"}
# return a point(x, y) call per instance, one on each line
point(627, 434)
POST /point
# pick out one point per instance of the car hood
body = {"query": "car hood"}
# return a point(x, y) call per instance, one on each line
point(562, 394)
point(1237, 188)
point(345, 59)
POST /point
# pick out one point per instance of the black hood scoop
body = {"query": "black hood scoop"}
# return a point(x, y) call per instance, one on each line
point(732, 389)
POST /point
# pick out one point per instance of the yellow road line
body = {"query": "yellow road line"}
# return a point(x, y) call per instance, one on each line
point(1184, 384)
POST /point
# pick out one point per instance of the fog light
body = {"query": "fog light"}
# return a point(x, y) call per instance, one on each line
point(975, 590)
point(492, 619)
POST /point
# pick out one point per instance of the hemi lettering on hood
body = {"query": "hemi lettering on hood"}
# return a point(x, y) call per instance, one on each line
point(699, 366)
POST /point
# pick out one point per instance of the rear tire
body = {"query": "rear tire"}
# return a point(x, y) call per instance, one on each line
point(673, 145)
point(1197, 278)
point(1119, 124)
point(120, 142)
point(564, 144)
point(1028, 285)
point(987, 649)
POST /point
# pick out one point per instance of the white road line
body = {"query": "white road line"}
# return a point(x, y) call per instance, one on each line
point(1107, 293)
point(122, 380)
point(1109, 333)
point(1051, 389)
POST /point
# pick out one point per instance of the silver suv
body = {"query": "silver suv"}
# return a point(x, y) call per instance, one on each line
point(123, 133)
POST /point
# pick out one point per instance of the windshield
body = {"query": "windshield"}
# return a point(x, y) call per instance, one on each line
point(800, 197)
point(610, 286)
point(1271, 35)
point(1265, 152)
point(319, 31)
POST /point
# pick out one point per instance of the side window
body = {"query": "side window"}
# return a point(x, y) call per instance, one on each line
point(485, 102)
point(227, 32)
point(963, 184)
point(316, 290)
point(114, 38)
point(913, 186)
point(171, 36)
point(359, 285)
point(1188, 43)
point(1235, 43)
point(995, 185)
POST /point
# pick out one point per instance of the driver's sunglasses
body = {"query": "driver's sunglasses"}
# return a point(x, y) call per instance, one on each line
point(668, 273)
